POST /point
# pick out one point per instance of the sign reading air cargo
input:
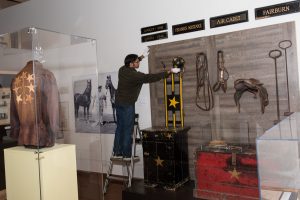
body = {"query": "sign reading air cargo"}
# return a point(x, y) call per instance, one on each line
point(155, 28)
point(229, 19)
point(188, 27)
point(157, 36)
point(278, 9)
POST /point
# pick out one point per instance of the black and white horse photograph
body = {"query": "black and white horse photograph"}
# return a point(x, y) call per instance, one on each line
point(109, 84)
point(84, 91)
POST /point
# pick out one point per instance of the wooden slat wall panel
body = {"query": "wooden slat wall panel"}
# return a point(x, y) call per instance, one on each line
point(246, 55)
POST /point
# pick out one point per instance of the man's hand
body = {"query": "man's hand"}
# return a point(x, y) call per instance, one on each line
point(175, 70)
point(146, 52)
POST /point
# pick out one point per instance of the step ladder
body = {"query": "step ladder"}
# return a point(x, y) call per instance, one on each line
point(128, 164)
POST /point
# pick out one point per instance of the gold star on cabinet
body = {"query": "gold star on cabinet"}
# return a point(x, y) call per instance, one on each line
point(235, 174)
point(173, 102)
point(145, 135)
point(169, 135)
point(159, 161)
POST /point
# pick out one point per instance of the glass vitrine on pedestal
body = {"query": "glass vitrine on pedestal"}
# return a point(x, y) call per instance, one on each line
point(278, 155)
point(53, 83)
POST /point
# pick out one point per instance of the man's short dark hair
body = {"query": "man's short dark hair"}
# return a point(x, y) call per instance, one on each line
point(130, 58)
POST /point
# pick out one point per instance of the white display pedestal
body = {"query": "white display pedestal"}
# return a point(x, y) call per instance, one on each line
point(56, 169)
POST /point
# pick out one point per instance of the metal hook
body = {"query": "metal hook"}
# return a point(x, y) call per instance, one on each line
point(281, 44)
point(276, 54)
point(285, 44)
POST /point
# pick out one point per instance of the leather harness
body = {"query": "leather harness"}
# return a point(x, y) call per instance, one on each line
point(204, 90)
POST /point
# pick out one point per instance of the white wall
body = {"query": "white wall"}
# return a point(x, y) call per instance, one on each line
point(115, 24)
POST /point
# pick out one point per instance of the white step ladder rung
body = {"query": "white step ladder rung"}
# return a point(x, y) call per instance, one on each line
point(135, 159)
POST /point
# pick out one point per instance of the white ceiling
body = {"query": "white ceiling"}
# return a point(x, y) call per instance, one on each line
point(8, 3)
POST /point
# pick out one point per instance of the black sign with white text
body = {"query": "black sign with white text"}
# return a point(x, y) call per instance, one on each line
point(188, 27)
point(157, 36)
point(229, 19)
point(277, 10)
point(151, 29)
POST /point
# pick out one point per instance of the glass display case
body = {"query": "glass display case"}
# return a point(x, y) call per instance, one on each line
point(226, 167)
point(49, 89)
point(278, 160)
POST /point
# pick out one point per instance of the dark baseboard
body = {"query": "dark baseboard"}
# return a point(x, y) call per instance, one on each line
point(138, 191)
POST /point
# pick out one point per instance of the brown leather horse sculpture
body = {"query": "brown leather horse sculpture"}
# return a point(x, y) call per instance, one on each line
point(253, 86)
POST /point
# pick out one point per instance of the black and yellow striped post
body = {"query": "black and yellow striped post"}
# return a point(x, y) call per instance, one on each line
point(173, 96)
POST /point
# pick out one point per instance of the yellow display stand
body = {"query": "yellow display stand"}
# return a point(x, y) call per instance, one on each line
point(48, 175)
point(173, 96)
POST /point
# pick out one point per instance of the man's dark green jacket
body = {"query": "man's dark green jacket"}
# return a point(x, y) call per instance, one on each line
point(131, 82)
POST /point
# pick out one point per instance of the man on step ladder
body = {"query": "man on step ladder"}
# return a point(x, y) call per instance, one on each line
point(129, 87)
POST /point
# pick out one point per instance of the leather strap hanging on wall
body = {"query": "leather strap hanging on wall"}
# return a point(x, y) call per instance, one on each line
point(204, 93)
point(223, 74)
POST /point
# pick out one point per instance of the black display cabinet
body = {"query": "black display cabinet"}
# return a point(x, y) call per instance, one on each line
point(165, 152)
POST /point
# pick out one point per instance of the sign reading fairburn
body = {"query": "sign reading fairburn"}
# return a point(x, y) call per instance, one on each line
point(277, 10)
